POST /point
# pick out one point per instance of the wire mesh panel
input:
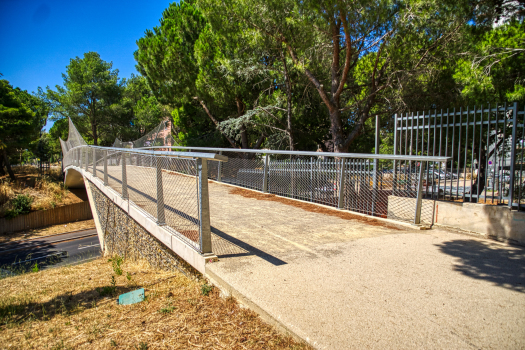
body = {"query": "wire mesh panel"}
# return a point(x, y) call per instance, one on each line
point(243, 169)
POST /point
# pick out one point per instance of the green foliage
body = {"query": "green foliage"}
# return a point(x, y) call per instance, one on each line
point(494, 70)
point(22, 116)
point(20, 205)
point(117, 262)
point(206, 289)
point(35, 268)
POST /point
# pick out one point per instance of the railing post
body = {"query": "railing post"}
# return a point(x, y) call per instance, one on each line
point(376, 166)
point(341, 202)
point(124, 176)
point(311, 179)
point(94, 162)
point(265, 173)
point(87, 158)
point(204, 206)
point(105, 168)
point(161, 219)
point(394, 171)
point(219, 170)
point(513, 145)
point(419, 199)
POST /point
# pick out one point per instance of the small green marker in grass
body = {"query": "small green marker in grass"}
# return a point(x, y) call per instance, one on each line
point(133, 297)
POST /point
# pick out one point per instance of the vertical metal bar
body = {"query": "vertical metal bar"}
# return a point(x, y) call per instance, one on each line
point(341, 202)
point(265, 174)
point(161, 218)
point(451, 161)
point(487, 170)
point(124, 176)
point(494, 166)
point(80, 154)
point(311, 179)
point(472, 154)
point(394, 170)
point(502, 158)
point(513, 153)
point(411, 133)
point(440, 140)
point(376, 166)
point(479, 157)
point(522, 146)
point(417, 134)
point(419, 198)
point(204, 206)
point(459, 148)
point(465, 161)
point(105, 167)
point(219, 170)
point(87, 158)
point(94, 162)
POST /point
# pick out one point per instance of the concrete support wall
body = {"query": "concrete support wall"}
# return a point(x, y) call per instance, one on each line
point(493, 221)
point(489, 220)
point(124, 236)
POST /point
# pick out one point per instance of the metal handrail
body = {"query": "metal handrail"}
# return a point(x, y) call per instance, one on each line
point(208, 156)
point(315, 154)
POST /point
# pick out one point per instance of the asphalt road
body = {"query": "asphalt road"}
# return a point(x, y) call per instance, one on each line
point(51, 251)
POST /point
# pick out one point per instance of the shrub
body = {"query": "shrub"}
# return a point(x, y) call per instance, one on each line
point(21, 204)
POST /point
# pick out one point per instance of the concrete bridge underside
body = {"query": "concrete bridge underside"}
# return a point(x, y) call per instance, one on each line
point(340, 282)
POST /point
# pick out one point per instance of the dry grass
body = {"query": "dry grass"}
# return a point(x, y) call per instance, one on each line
point(313, 208)
point(48, 231)
point(63, 309)
point(47, 192)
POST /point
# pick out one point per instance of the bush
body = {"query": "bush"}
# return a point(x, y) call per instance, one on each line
point(21, 204)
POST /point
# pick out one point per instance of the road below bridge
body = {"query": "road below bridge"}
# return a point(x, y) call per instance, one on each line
point(50, 251)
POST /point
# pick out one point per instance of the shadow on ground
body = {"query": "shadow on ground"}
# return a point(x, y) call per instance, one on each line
point(502, 265)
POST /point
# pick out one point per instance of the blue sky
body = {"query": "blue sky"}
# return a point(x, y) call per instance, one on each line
point(38, 38)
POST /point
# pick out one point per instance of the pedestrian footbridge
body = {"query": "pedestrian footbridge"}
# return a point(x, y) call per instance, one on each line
point(184, 197)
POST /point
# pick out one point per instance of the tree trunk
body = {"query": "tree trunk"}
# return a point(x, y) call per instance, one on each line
point(336, 129)
point(94, 131)
point(2, 171)
point(208, 113)
point(8, 166)
point(289, 128)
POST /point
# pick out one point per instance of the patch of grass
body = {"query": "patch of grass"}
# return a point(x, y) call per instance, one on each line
point(78, 314)
point(206, 289)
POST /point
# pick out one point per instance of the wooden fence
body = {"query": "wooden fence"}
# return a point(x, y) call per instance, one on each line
point(41, 218)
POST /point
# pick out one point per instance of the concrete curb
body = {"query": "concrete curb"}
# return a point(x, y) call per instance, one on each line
point(227, 290)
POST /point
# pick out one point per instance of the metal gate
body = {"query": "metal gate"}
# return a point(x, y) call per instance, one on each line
point(486, 146)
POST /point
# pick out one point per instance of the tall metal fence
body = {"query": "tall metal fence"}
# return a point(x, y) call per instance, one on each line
point(484, 144)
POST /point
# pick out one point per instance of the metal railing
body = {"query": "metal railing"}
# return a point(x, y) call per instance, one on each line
point(388, 186)
point(169, 187)
point(485, 147)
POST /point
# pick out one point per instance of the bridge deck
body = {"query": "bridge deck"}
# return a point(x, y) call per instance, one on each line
point(346, 284)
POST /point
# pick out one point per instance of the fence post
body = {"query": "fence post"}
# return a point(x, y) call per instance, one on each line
point(124, 176)
point(513, 144)
point(105, 168)
point(419, 200)
point(376, 166)
point(204, 206)
point(394, 171)
point(87, 158)
point(94, 162)
point(219, 170)
point(265, 173)
point(341, 202)
point(311, 179)
point(161, 219)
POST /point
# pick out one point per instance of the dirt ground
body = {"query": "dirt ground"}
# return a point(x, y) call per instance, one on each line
point(75, 308)
point(47, 231)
